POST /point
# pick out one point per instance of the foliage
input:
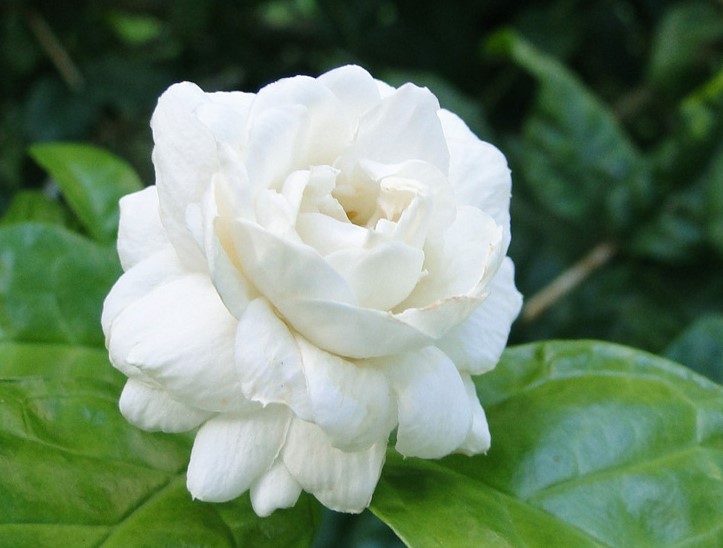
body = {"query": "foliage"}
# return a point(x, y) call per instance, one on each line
point(611, 115)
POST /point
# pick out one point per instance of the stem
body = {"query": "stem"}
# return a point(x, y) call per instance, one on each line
point(568, 280)
point(54, 50)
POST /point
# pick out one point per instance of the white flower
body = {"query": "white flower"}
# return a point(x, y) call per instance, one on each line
point(318, 264)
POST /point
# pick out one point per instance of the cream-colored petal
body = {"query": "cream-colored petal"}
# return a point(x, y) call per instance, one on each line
point(352, 403)
point(381, 277)
point(140, 232)
point(275, 489)
point(152, 408)
point(342, 481)
point(185, 159)
point(139, 280)
point(434, 411)
point(475, 346)
point(478, 438)
point(232, 451)
point(181, 336)
point(478, 171)
point(268, 361)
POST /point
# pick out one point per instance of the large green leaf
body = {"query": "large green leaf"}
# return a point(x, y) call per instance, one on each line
point(593, 444)
point(92, 181)
point(34, 206)
point(75, 473)
point(575, 156)
point(52, 284)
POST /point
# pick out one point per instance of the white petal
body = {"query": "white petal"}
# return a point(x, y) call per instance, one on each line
point(268, 361)
point(281, 269)
point(434, 413)
point(274, 144)
point(342, 481)
point(182, 336)
point(185, 159)
point(232, 451)
point(350, 402)
point(140, 232)
point(403, 126)
point(226, 115)
point(478, 439)
point(477, 170)
point(354, 87)
point(275, 489)
point(380, 277)
point(351, 331)
point(475, 346)
point(140, 280)
point(469, 253)
point(152, 408)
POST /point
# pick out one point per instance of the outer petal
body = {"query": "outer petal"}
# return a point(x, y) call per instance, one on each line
point(477, 170)
point(350, 402)
point(476, 345)
point(138, 281)
point(342, 481)
point(140, 232)
point(232, 451)
point(354, 87)
point(478, 438)
point(185, 160)
point(181, 335)
point(433, 419)
point(152, 408)
point(275, 489)
point(268, 361)
point(403, 126)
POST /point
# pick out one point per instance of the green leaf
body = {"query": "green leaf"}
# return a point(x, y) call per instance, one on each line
point(593, 444)
point(680, 43)
point(576, 158)
point(92, 181)
point(76, 473)
point(700, 347)
point(52, 284)
point(34, 206)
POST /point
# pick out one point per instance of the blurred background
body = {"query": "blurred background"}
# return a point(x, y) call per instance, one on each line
point(610, 113)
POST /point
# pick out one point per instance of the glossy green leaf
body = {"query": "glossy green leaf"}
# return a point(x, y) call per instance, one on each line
point(52, 284)
point(92, 181)
point(593, 444)
point(577, 159)
point(76, 473)
point(700, 347)
point(34, 206)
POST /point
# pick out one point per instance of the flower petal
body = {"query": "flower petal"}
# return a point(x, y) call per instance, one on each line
point(268, 362)
point(185, 159)
point(434, 417)
point(275, 489)
point(343, 481)
point(380, 277)
point(153, 409)
point(351, 403)
point(468, 254)
point(403, 126)
point(475, 346)
point(140, 232)
point(138, 281)
point(477, 170)
point(281, 269)
point(478, 438)
point(351, 331)
point(181, 335)
point(232, 451)
point(354, 87)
